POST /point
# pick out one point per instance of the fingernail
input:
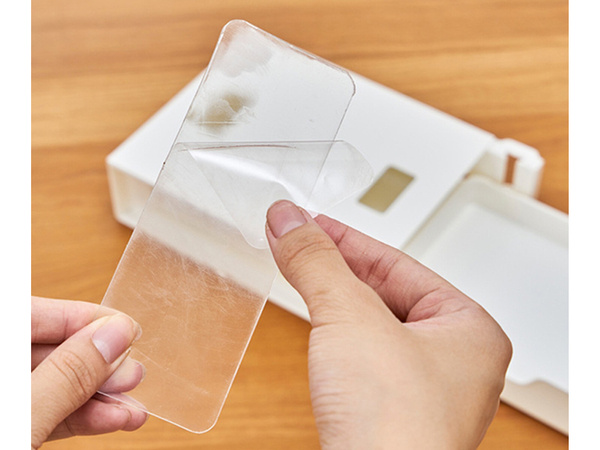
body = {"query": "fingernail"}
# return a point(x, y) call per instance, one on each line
point(115, 336)
point(283, 216)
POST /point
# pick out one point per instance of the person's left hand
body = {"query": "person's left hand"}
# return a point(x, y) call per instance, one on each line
point(73, 357)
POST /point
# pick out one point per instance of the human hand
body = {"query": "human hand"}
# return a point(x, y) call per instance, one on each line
point(72, 357)
point(398, 357)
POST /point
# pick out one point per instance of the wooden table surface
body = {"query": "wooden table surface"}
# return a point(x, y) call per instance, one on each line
point(100, 68)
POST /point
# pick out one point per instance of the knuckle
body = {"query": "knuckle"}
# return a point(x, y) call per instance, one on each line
point(498, 344)
point(506, 350)
point(81, 376)
point(499, 352)
point(306, 250)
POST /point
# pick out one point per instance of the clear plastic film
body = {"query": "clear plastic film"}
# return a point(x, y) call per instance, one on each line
point(258, 88)
point(197, 270)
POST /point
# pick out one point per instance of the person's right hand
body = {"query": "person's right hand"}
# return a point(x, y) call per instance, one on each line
point(398, 357)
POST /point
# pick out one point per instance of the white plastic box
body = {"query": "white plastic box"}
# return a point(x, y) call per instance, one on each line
point(457, 215)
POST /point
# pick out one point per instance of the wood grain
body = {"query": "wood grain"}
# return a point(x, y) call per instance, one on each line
point(101, 68)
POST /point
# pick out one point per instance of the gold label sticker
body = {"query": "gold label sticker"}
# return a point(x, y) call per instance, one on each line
point(386, 189)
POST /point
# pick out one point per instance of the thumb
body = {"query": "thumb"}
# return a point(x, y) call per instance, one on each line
point(76, 369)
point(313, 265)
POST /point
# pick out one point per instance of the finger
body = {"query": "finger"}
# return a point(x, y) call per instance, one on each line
point(400, 281)
point(99, 415)
point(127, 376)
point(311, 262)
point(74, 371)
point(53, 321)
point(39, 352)
point(138, 410)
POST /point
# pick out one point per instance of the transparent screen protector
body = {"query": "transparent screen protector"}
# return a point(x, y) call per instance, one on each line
point(197, 270)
